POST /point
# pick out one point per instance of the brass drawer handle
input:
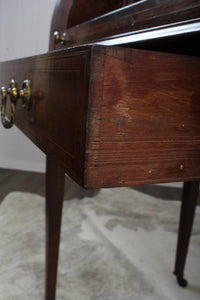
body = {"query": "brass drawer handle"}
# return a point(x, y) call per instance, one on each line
point(58, 38)
point(14, 93)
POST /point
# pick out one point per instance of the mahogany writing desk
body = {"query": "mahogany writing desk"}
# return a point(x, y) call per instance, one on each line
point(113, 103)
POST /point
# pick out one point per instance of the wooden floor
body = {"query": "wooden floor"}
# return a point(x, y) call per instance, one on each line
point(32, 182)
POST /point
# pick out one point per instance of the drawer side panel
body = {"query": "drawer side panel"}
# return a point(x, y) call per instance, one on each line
point(144, 118)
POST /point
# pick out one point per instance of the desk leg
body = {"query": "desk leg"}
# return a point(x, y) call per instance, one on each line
point(55, 178)
point(189, 201)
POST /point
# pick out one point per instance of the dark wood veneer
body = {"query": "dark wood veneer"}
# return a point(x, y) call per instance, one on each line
point(70, 13)
point(55, 182)
point(189, 202)
point(56, 120)
point(113, 116)
point(137, 17)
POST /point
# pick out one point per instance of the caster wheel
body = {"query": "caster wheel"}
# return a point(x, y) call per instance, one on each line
point(182, 281)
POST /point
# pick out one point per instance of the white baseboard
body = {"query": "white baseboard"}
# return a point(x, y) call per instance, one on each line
point(23, 166)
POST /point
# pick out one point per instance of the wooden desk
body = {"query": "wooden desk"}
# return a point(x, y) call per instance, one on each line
point(113, 116)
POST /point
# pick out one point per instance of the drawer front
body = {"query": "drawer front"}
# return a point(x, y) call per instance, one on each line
point(56, 120)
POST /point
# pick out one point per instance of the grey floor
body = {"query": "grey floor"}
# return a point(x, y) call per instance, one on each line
point(32, 182)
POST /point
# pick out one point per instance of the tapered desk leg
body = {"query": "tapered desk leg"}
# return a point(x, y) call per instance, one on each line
point(189, 201)
point(55, 178)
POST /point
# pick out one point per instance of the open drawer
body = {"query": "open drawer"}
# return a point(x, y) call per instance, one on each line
point(113, 116)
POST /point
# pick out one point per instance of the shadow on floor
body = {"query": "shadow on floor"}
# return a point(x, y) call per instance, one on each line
point(32, 182)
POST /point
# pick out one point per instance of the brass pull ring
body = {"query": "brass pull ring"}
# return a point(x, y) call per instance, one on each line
point(58, 38)
point(15, 94)
point(7, 123)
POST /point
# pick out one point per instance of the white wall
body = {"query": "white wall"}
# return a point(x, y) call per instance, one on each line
point(24, 31)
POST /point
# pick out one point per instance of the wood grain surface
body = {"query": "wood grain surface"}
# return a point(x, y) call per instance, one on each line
point(113, 116)
point(56, 121)
point(144, 124)
point(69, 13)
point(137, 17)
